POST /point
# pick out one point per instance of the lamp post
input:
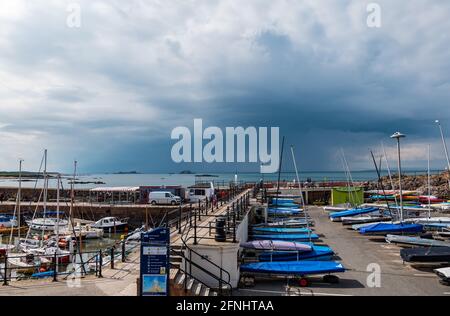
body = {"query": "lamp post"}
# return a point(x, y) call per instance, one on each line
point(397, 136)
point(445, 148)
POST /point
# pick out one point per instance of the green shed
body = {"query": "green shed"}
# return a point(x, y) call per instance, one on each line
point(342, 195)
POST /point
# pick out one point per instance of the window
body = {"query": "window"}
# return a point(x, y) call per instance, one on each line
point(167, 195)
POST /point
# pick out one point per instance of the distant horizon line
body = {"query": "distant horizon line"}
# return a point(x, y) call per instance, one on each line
point(422, 170)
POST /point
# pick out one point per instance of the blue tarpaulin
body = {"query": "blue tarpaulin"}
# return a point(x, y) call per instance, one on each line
point(389, 228)
point(299, 268)
point(290, 237)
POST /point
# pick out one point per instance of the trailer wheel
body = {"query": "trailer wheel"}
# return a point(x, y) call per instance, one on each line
point(153, 203)
point(303, 282)
point(444, 282)
point(247, 281)
point(332, 279)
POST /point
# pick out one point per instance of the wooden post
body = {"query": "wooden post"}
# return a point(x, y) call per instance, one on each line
point(55, 267)
point(5, 272)
point(100, 264)
point(112, 258)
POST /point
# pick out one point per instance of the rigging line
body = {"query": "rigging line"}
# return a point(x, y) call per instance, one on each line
point(380, 182)
point(279, 171)
point(78, 245)
point(390, 174)
point(351, 179)
point(429, 182)
point(301, 193)
point(39, 199)
point(347, 176)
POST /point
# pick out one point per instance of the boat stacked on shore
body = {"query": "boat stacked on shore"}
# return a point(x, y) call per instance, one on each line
point(287, 246)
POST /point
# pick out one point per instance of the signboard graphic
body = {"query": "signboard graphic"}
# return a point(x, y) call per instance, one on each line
point(155, 262)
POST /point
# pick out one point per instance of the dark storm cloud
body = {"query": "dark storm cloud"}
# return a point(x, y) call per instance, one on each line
point(116, 87)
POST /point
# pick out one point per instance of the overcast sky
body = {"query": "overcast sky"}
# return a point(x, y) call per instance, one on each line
point(110, 92)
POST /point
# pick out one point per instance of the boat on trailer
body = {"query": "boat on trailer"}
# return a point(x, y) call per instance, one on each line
point(365, 220)
point(444, 275)
point(275, 230)
point(415, 241)
point(317, 253)
point(294, 269)
point(337, 216)
point(389, 228)
point(287, 237)
point(426, 255)
point(277, 245)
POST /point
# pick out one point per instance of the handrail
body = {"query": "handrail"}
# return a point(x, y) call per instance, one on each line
point(218, 278)
point(199, 267)
point(184, 238)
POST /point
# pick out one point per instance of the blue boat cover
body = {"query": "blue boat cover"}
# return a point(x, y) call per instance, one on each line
point(42, 275)
point(389, 228)
point(299, 268)
point(290, 237)
point(285, 209)
point(274, 230)
point(282, 200)
point(353, 212)
point(319, 253)
point(282, 213)
point(290, 205)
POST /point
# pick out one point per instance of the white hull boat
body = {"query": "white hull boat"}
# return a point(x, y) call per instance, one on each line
point(111, 224)
point(444, 274)
point(47, 224)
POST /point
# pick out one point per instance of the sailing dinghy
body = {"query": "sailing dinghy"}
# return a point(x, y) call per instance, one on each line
point(318, 253)
point(275, 230)
point(287, 237)
point(337, 216)
point(444, 274)
point(415, 241)
point(276, 245)
point(297, 268)
point(426, 255)
point(389, 228)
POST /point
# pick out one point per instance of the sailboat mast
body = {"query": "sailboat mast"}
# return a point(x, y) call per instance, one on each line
point(57, 208)
point(72, 188)
point(429, 183)
point(19, 198)
point(279, 171)
point(45, 193)
point(445, 149)
point(389, 173)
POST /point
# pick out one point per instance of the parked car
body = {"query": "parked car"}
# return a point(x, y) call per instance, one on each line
point(163, 198)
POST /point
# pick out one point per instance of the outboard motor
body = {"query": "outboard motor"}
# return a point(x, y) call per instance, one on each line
point(221, 235)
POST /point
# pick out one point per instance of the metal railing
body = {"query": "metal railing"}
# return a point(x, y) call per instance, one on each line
point(189, 255)
point(38, 266)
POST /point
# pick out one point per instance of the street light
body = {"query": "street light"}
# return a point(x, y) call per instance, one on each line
point(397, 136)
point(445, 148)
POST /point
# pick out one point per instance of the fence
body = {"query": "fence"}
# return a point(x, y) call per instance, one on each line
point(64, 264)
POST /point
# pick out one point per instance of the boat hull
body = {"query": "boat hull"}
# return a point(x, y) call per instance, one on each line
point(299, 268)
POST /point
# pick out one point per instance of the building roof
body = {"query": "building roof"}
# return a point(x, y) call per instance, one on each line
point(115, 189)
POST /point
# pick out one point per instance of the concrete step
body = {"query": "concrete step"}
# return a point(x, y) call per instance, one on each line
point(173, 274)
point(180, 279)
point(190, 284)
point(198, 289)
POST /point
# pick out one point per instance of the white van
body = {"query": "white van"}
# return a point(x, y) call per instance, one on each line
point(201, 192)
point(163, 197)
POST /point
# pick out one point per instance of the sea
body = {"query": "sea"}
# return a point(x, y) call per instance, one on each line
point(90, 181)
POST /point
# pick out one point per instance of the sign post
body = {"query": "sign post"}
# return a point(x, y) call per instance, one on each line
point(155, 256)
